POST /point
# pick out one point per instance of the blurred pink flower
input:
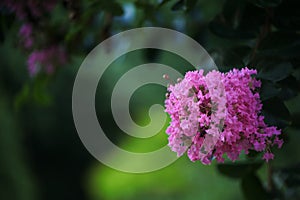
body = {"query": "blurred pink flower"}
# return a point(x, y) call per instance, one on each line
point(268, 156)
point(26, 35)
point(46, 60)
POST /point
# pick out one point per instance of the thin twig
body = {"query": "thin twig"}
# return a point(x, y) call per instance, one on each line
point(265, 30)
point(270, 176)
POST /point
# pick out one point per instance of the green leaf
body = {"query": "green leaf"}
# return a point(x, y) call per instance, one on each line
point(253, 189)
point(236, 56)
point(59, 15)
point(238, 170)
point(290, 88)
point(273, 71)
point(268, 90)
point(285, 89)
point(276, 113)
point(41, 95)
point(73, 32)
point(280, 44)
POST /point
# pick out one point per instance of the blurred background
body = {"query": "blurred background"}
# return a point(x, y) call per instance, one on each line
point(42, 45)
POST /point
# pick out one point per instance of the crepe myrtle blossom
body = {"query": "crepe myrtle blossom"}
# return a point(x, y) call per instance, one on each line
point(46, 60)
point(216, 114)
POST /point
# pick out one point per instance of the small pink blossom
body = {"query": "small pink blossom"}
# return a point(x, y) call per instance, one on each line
point(278, 142)
point(268, 156)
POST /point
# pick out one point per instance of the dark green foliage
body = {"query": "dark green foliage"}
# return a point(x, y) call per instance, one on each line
point(239, 20)
point(269, 90)
point(264, 35)
point(287, 45)
point(253, 189)
point(280, 116)
point(238, 170)
point(274, 72)
point(179, 5)
point(266, 3)
point(186, 5)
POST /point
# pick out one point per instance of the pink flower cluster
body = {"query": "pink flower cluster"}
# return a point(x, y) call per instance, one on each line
point(46, 60)
point(216, 114)
point(30, 12)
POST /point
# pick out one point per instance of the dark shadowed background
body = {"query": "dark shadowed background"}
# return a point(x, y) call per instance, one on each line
point(41, 155)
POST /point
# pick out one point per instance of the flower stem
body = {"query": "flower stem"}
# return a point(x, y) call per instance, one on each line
point(270, 174)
